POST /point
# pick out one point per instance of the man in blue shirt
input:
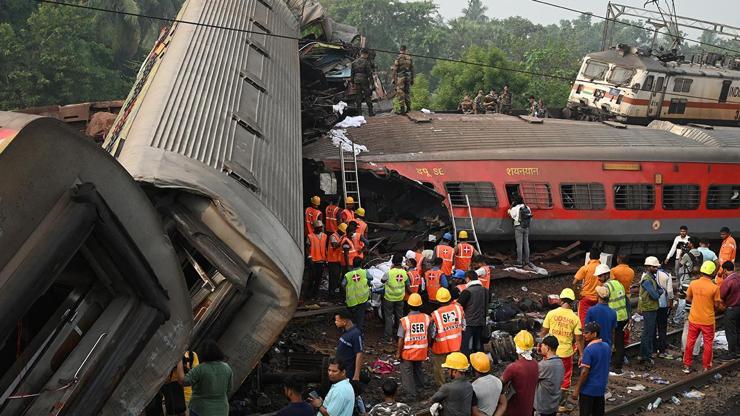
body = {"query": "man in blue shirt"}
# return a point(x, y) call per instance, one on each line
point(603, 315)
point(591, 385)
point(349, 347)
point(293, 390)
point(706, 252)
point(340, 401)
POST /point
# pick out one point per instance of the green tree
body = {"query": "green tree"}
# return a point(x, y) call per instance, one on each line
point(420, 94)
point(475, 11)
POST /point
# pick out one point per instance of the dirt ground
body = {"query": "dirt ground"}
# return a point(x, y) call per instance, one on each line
point(319, 334)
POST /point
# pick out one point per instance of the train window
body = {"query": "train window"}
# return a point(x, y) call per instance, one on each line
point(621, 75)
point(634, 196)
point(480, 194)
point(536, 195)
point(583, 196)
point(648, 85)
point(723, 197)
point(677, 106)
point(682, 84)
point(680, 197)
point(595, 70)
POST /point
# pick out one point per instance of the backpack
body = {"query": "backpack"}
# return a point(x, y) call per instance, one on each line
point(525, 216)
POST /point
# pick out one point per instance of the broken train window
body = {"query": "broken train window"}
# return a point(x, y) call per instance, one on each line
point(723, 197)
point(480, 194)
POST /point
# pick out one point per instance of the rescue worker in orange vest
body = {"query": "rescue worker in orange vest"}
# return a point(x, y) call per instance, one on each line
point(448, 324)
point(338, 255)
point(464, 251)
point(316, 246)
point(348, 213)
point(727, 252)
point(360, 219)
point(358, 241)
point(434, 279)
point(332, 211)
point(313, 214)
point(348, 249)
point(483, 271)
point(416, 281)
point(446, 253)
point(414, 334)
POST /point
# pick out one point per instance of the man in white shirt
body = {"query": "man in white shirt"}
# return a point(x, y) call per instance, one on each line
point(680, 241)
point(521, 230)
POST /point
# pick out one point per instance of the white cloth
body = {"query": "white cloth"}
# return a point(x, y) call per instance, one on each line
point(514, 213)
point(674, 247)
point(356, 121)
point(339, 107)
point(339, 138)
point(527, 354)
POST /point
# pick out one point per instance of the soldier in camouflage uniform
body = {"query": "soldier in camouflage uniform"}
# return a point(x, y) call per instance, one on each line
point(478, 107)
point(466, 105)
point(491, 102)
point(389, 406)
point(362, 76)
point(505, 100)
point(403, 78)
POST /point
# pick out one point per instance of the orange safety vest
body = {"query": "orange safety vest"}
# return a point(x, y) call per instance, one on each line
point(415, 338)
point(334, 255)
point(317, 247)
point(446, 253)
point(361, 226)
point(463, 256)
point(347, 215)
point(312, 214)
point(414, 282)
point(358, 244)
point(432, 278)
point(351, 254)
point(419, 261)
point(485, 280)
point(331, 218)
point(448, 321)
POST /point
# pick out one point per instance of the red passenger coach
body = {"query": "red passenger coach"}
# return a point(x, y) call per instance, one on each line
point(590, 181)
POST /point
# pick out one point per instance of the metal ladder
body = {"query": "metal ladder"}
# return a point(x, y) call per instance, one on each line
point(350, 178)
point(464, 224)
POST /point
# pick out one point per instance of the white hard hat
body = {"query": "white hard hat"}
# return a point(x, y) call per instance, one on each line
point(652, 261)
point(602, 269)
point(410, 255)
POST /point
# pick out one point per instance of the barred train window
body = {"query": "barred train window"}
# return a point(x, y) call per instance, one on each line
point(536, 195)
point(723, 197)
point(480, 194)
point(682, 84)
point(681, 197)
point(583, 196)
point(634, 196)
point(677, 106)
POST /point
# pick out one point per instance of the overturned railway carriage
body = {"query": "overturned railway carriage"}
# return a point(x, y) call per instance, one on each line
point(632, 87)
point(583, 180)
point(94, 307)
point(211, 131)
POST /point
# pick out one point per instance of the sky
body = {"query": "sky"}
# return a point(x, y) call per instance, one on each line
point(721, 11)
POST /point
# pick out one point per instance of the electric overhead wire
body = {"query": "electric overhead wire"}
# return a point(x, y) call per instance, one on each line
point(558, 6)
point(416, 55)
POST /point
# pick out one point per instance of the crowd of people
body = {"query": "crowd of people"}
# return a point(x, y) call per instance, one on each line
point(435, 303)
point(493, 102)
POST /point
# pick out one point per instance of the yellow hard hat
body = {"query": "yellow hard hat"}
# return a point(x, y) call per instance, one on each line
point(524, 340)
point(568, 293)
point(443, 295)
point(462, 234)
point(480, 362)
point(360, 211)
point(342, 227)
point(456, 361)
point(349, 200)
point(315, 200)
point(414, 300)
point(708, 268)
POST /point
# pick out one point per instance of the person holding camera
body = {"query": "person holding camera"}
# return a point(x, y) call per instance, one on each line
point(678, 248)
point(340, 401)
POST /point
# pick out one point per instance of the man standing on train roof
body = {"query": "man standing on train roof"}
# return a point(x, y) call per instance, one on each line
point(647, 305)
point(676, 248)
point(504, 100)
point(522, 216)
point(446, 253)
point(402, 73)
point(490, 101)
point(313, 214)
point(347, 213)
point(478, 107)
point(532, 106)
point(362, 78)
point(466, 105)
point(464, 252)
point(588, 279)
point(727, 252)
point(316, 247)
point(332, 211)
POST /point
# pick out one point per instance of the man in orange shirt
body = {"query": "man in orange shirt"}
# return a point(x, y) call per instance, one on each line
point(588, 291)
point(705, 298)
point(623, 273)
point(727, 251)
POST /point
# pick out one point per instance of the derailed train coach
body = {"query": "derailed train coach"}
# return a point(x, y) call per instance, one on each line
point(107, 280)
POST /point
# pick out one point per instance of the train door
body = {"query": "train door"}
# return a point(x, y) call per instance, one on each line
point(513, 189)
point(656, 98)
point(725, 91)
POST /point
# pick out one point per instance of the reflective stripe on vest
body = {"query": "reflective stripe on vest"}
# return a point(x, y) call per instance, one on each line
point(318, 247)
point(351, 254)
point(414, 280)
point(463, 256)
point(361, 227)
point(432, 278)
point(448, 321)
point(358, 244)
point(415, 338)
point(334, 255)
point(617, 300)
point(419, 262)
point(395, 287)
point(312, 214)
point(485, 280)
point(357, 290)
point(347, 215)
point(331, 218)
point(446, 253)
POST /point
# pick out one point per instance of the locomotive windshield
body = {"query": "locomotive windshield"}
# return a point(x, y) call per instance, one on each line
point(620, 75)
point(595, 70)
